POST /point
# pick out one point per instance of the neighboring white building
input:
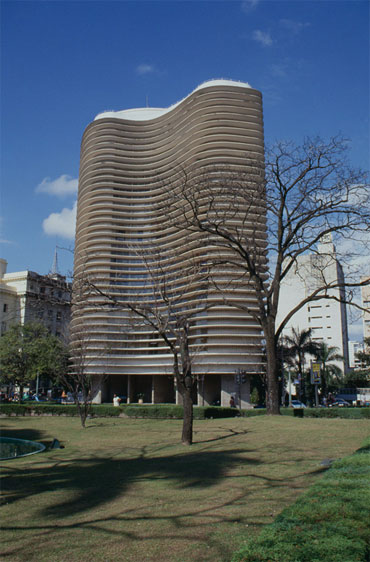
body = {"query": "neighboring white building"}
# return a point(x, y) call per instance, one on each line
point(26, 296)
point(365, 295)
point(353, 348)
point(326, 317)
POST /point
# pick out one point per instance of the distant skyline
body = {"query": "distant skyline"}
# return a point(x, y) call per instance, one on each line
point(64, 62)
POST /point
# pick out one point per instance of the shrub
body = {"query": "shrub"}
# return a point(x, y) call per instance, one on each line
point(344, 413)
point(13, 408)
point(329, 522)
point(253, 412)
point(209, 412)
point(171, 411)
point(105, 411)
point(155, 411)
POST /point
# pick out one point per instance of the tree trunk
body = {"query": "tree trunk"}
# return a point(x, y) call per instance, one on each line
point(82, 413)
point(185, 386)
point(187, 425)
point(272, 372)
point(83, 408)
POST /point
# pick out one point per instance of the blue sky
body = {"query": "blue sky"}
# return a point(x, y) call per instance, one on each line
point(65, 62)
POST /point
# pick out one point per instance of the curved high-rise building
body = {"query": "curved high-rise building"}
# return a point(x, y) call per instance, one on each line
point(134, 164)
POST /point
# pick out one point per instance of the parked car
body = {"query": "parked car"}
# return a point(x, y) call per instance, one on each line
point(298, 404)
point(339, 403)
point(35, 398)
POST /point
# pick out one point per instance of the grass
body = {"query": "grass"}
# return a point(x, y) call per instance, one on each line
point(331, 521)
point(125, 489)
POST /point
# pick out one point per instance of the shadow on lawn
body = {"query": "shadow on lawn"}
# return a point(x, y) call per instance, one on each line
point(23, 433)
point(95, 482)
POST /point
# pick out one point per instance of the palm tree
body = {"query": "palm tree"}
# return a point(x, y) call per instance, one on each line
point(296, 347)
point(330, 374)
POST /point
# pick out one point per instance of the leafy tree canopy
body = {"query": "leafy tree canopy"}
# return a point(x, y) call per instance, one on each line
point(29, 350)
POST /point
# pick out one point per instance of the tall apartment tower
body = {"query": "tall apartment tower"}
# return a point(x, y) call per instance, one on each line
point(327, 318)
point(365, 297)
point(130, 164)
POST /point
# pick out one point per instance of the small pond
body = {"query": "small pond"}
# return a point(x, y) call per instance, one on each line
point(11, 448)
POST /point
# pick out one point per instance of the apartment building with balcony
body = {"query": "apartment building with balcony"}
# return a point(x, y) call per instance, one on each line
point(131, 162)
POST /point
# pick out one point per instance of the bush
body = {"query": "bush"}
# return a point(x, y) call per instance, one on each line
point(13, 408)
point(105, 411)
point(171, 411)
point(253, 412)
point(344, 413)
point(329, 522)
point(176, 412)
point(154, 411)
point(209, 412)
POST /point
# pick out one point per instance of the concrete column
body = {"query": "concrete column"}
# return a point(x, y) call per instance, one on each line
point(241, 393)
point(200, 389)
point(97, 389)
point(178, 398)
point(129, 389)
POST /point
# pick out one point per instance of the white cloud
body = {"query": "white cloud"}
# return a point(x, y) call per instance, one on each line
point(294, 27)
point(262, 37)
point(145, 69)
point(61, 224)
point(249, 5)
point(61, 187)
point(279, 70)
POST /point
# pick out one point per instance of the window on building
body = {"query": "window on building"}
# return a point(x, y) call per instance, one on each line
point(5, 308)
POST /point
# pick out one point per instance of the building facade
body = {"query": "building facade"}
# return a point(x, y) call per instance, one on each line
point(354, 347)
point(26, 296)
point(365, 297)
point(327, 318)
point(131, 162)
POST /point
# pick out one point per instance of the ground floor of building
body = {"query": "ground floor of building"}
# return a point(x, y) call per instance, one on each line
point(158, 389)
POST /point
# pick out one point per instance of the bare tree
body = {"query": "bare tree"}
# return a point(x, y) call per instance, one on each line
point(263, 216)
point(77, 378)
point(170, 303)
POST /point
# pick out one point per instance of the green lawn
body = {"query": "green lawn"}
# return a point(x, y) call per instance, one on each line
point(125, 489)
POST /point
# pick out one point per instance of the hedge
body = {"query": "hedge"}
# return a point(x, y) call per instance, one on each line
point(346, 413)
point(176, 412)
point(330, 522)
point(171, 411)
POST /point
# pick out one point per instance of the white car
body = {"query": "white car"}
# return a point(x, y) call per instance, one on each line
point(298, 404)
point(340, 403)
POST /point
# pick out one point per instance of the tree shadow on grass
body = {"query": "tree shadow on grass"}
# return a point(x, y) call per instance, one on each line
point(230, 433)
point(94, 482)
point(23, 433)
